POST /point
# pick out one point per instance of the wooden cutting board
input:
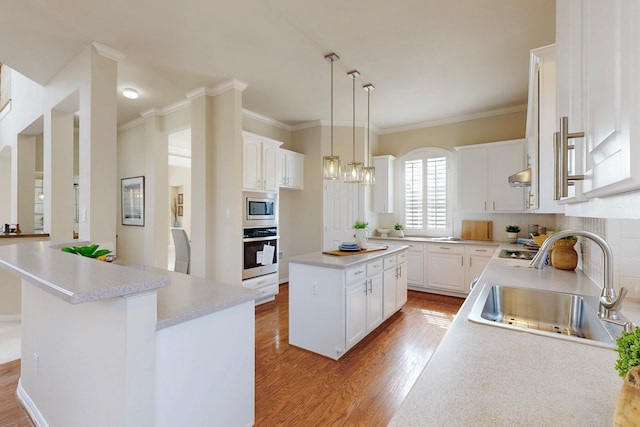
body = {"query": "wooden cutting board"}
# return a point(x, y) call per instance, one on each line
point(477, 230)
point(360, 252)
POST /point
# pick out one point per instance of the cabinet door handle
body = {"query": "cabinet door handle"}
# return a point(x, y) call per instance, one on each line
point(565, 178)
point(462, 261)
point(471, 262)
point(485, 206)
point(445, 248)
point(493, 206)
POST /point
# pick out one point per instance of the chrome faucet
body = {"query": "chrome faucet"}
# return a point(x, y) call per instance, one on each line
point(609, 303)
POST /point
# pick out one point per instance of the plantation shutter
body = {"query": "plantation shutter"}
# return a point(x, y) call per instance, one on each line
point(436, 193)
point(413, 215)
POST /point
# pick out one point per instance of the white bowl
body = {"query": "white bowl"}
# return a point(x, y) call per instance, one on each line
point(384, 232)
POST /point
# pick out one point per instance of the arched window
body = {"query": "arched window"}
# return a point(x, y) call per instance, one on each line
point(426, 183)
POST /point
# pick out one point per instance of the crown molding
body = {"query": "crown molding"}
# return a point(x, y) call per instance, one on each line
point(130, 125)
point(108, 52)
point(268, 120)
point(217, 89)
point(456, 119)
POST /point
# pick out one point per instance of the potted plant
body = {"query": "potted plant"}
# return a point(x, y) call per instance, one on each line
point(627, 410)
point(361, 233)
point(512, 233)
point(397, 230)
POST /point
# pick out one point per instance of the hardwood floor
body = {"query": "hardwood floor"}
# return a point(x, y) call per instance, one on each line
point(11, 412)
point(365, 387)
point(295, 387)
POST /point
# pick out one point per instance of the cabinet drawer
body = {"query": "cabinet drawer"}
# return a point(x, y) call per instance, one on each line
point(356, 273)
point(482, 250)
point(447, 249)
point(261, 282)
point(402, 257)
point(374, 267)
point(390, 262)
point(268, 291)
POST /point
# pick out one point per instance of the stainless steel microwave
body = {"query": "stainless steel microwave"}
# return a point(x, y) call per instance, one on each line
point(260, 209)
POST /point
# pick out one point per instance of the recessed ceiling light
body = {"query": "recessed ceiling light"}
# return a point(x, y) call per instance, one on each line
point(130, 93)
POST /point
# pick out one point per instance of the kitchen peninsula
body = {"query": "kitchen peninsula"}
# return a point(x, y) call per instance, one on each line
point(335, 301)
point(106, 344)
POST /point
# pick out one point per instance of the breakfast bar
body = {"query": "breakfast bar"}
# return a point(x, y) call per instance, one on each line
point(106, 344)
point(335, 301)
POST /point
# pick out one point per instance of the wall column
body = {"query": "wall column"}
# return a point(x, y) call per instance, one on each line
point(26, 181)
point(58, 180)
point(216, 179)
point(99, 186)
point(156, 232)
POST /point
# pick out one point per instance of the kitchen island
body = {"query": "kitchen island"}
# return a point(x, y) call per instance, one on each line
point(487, 376)
point(106, 344)
point(335, 301)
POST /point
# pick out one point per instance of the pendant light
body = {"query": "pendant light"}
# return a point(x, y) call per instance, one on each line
point(368, 172)
point(331, 164)
point(353, 170)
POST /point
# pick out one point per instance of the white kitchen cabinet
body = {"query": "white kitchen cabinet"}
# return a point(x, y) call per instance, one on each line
point(401, 280)
point(483, 173)
point(390, 285)
point(541, 124)
point(383, 190)
point(290, 169)
point(260, 162)
point(478, 258)
point(332, 309)
point(598, 60)
point(446, 268)
point(415, 264)
point(267, 285)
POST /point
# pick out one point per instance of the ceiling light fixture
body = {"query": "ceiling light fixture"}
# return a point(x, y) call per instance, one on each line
point(353, 170)
point(331, 164)
point(368, 172)
point(130, 93)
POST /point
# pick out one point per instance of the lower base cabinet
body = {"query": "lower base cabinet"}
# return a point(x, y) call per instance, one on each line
point(331, 309)
point(441, 268)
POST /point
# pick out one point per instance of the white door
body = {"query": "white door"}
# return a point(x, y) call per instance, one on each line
point(342, 207)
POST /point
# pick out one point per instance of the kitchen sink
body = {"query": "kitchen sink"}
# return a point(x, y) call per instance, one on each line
point(567, 316)
point(527, 255)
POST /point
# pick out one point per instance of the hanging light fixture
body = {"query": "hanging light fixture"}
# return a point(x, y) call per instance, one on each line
point(331, 164)
point(368, 172)
point(353, 170)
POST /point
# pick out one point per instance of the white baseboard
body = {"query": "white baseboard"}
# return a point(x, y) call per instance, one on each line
point(10, 317)
point(30, 406)
point(283, 280)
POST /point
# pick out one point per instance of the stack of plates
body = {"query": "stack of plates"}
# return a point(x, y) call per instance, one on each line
point(349, 247)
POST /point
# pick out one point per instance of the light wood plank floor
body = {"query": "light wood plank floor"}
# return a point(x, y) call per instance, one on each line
point(295, 387)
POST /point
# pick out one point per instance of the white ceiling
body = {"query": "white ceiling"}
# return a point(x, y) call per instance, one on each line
point(429, 59)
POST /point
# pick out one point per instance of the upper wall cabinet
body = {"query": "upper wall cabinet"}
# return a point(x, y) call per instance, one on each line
point(260, 162)
point(383, 190)
point(541, 124)
point(483, 176)
point(598, 61)
point(290, 169)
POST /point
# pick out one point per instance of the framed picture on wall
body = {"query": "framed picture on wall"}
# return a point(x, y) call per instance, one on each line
point(180, 211)
point(133, 201)
point(180, 199)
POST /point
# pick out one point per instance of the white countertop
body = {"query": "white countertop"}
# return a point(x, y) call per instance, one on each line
point(487, 376)
point(189, 297)
point(77, 279)
point(73, 278)
point(320, 259)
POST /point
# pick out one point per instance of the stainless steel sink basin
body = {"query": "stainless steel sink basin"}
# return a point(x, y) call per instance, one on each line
point(555, 314)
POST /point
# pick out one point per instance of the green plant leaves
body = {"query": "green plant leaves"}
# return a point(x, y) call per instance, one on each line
point(89, 251)
point(628, 350)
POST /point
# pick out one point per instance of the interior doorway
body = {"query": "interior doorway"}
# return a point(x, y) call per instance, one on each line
point(179, 161)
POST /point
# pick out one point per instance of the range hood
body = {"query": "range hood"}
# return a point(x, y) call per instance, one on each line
point(521, 179)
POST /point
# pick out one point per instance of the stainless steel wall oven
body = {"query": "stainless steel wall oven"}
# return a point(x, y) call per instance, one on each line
point(260, 251)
